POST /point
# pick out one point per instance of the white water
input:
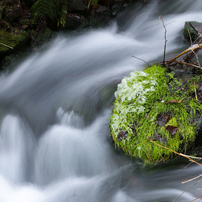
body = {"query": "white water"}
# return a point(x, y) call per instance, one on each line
point(56, 105)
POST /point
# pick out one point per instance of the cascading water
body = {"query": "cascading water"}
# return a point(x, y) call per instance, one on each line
point(56, 105)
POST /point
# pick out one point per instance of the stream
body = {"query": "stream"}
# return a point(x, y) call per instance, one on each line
point(57, 102)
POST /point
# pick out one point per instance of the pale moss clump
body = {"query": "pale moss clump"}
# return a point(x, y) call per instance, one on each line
point(152, 103)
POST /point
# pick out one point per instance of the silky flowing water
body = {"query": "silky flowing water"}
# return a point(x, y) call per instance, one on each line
point(55, 109)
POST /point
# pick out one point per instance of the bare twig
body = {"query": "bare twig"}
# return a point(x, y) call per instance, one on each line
point(164, 55)
point(185, 63)
point(192, 48)
point(187, 189)
point(180, 154)
point(190, 37)
point(192, 179)
point(196, 198)
point(6, 45)
point(140, 59)
point(195, 91)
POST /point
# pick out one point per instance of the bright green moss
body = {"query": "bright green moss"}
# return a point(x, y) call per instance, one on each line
point(143, 100)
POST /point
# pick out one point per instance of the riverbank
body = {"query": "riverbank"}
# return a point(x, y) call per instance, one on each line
point(22, 29)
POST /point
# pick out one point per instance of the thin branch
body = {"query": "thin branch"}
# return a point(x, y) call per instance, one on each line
point(192, 48)
point(180, 154)
point(164, 55)
point(6, 45)
point(140, 59)
point(192, 179)
point(196, 198)
point(185, 63)
point(190, 36)
point(187, 189)
point(195, 91)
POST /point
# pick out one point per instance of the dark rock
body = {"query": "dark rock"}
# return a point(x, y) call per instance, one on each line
point(11, 12)
point(14, 39)
point(100, 17)
point(75, 21)
point(2, 6)
point(193, 27)
point(117, 7)
point(75, 5)
point(37, 40)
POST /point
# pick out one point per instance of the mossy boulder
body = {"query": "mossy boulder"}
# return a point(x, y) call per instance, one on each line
point(152, 103)
point(14, 39)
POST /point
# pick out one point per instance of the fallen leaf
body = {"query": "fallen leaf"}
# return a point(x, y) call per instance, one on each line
point(160, 139)
point(121, 135)
point(174, 101)
point(172, 129)
point(162, 119)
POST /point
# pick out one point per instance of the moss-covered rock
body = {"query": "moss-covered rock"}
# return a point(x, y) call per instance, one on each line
point(14, 39)
point(152, 103)
point(192, 27)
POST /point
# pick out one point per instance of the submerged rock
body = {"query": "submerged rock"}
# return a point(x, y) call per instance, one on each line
point(152, 103)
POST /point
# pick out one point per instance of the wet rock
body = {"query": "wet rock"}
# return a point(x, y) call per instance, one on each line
point(11, 12)
point(117, 7)
point(2, 6)
point(75, 21)
point(194, 28)
point(37, 40)
point(15, 39)
point(100, 17)
point(28, 23)
point(76, 5)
